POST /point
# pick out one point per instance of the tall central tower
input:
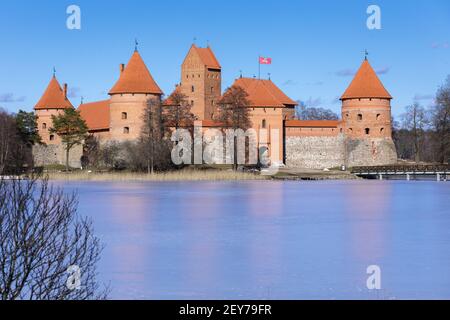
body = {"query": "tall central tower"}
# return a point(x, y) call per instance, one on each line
point(201, 81)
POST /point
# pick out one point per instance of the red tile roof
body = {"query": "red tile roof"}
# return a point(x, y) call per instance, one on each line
point(207, 56)
point(264, 93)
point(96, 114)
point(53, 97)
point(136, 78)
point(366, 84)
point(312, 123)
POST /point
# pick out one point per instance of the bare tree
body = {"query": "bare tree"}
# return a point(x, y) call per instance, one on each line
point(47, 251)
point(154, 138)
point(234, 113)
point(177, 111)
point(7, 139)
point(441, 122)
point(312, 113)
point(415, 120)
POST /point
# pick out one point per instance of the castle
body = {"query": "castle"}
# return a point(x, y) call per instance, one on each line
point(363, 136)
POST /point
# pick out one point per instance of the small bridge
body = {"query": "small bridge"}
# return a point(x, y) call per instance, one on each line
point(408, 172)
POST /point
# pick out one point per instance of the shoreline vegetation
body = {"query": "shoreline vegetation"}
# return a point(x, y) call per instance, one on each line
point(200, 175)
point(181, 175)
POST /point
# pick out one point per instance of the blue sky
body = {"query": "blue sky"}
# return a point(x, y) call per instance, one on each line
point(315, 45)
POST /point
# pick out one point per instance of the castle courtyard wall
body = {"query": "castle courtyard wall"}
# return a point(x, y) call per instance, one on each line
point(55, 154)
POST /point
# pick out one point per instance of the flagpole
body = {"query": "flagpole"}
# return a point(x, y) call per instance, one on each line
point(259, 67)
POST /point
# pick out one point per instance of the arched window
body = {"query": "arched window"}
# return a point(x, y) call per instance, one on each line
point(44, 126)
point(124, 116)
point(263, 125)
point(378, 116)
point(193, 89)
point(126, 130)
point(350, 130)
point(367, 130)
point(382, 130)
point(360, 117)
point(52, 137)
point(192, 103)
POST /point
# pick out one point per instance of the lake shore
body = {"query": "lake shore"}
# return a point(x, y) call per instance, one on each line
point(202, 175)
point(182, 175)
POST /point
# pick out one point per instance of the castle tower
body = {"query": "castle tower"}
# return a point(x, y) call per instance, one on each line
point(53, 102)
point(366, 119)
point(201, 81)
point(129, 98)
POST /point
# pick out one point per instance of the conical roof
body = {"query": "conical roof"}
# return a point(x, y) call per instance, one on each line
point(366, 84)
point(53, 97)
point(136, 78)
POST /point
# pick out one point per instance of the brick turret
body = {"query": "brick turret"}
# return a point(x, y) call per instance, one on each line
point(129, 97)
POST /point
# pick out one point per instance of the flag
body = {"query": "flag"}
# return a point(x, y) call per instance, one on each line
point(263, 60)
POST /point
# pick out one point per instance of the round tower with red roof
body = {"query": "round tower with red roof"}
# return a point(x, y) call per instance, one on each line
point(129, 98)
point(53, 102)
point(366, 120)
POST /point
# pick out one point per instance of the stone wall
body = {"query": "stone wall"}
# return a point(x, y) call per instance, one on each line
point(315, 152)
point(45, 155)
point(370, 152)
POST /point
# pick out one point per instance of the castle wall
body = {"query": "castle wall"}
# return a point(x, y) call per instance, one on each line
point(55, 154)
point(322, 150)
point(370, 152)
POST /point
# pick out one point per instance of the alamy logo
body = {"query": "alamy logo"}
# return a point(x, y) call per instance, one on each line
point(74, 20)
point(230, 146)
point(374, 279)
point(374, 20)
point(74, 280)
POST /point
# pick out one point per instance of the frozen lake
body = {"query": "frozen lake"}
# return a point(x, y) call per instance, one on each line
point(271, 240)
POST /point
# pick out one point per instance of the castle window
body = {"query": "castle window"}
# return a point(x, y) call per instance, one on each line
point(347, 115)
point(367, 130)
point(350, 130)
point(126, 130)
point(212, 89)
point(360, 117)
point(193, 89)
point(124, 116)
point(52, 137)
point(378, 116)
point(192, 103)
point(199, 76)
point(382, 130)
point(263, 124)
point(212, 102)
point(44, 126)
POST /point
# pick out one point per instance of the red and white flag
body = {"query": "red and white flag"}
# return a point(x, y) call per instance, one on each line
point(263, 60)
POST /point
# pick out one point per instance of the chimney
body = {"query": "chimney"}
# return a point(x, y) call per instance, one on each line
point(65, 90)
point(122, 67)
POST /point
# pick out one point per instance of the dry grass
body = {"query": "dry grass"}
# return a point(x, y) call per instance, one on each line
point(182, 175)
